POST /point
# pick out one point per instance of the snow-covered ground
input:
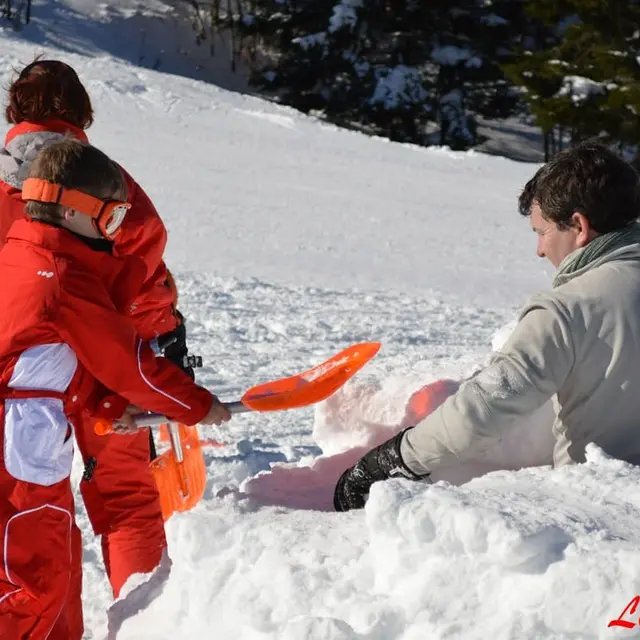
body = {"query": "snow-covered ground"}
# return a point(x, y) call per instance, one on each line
point(291, 239)
point(154, 34)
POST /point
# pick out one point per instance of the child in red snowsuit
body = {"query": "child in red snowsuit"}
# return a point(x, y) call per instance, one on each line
point(46, 102)
point(67, 348)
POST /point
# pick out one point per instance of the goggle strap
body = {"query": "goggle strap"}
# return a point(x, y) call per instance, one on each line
point(48, 192)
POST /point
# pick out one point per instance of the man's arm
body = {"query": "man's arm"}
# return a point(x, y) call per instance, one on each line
point(523, 375)
point(526, 372)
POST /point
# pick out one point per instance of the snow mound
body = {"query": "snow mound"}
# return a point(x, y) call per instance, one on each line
point(528, 554)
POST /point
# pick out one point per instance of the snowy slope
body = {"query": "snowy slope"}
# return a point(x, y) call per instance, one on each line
point(156, 34)
point(291, 239)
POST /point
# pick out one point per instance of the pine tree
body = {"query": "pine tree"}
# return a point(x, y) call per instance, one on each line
point(473, 40)
point(412, 70)
point(17, 11)
point(291, 46)
point(587, 80)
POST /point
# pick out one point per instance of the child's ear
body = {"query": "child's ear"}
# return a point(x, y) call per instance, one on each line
point(68, 213)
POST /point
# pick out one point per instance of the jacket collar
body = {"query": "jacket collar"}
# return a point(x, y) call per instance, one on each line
point(45, 126)
point(24, 141)
point(622, 244)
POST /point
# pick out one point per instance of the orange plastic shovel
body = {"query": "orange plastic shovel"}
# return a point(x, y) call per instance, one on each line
point(180, 472)
point(297, 391)
point(300, 390)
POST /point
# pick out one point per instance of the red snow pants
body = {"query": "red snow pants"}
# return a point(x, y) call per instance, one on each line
point(122, 502)
point(41, 546)
point(40, 561)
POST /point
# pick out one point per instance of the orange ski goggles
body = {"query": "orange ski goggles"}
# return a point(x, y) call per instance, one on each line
point(107, 215)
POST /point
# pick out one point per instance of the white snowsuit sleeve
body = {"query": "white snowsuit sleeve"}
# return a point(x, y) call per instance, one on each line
point(528, 370)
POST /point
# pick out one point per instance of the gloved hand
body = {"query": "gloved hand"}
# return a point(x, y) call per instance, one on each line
point(381, 463)
point(173, 345)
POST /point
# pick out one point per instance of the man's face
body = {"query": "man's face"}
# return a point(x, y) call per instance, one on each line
point(553, 243)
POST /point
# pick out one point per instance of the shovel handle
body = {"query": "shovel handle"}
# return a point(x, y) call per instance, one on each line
point(103, 427)
point(153, 419)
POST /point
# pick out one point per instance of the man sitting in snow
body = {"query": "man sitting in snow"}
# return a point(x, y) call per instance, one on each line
point(578, 344)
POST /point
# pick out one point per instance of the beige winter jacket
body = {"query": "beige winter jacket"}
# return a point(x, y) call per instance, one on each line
point(578, 345)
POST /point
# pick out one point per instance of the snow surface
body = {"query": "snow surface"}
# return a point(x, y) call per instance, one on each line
point(291, 239)
point(157, 34)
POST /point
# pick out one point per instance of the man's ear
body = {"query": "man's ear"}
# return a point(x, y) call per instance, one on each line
point(585, 233)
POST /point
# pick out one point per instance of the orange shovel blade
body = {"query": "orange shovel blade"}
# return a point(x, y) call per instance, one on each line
point(313, 385)
point(181, 485)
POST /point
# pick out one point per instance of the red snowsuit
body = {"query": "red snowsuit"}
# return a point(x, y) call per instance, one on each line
point(121, 498)
point(64, 341)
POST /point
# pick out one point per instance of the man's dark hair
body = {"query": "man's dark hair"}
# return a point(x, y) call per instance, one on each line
point(589, 179)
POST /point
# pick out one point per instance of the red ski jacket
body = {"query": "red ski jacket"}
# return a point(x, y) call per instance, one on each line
point(142, 234)
point(63, 331)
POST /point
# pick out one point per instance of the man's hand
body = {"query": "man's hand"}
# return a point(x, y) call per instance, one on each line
point(217, 414)
point(381, 463)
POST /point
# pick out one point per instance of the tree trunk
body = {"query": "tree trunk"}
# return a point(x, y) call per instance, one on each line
point(545, 139)
point(560, 137)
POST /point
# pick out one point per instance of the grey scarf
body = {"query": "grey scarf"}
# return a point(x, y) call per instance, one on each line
point(598, 248)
